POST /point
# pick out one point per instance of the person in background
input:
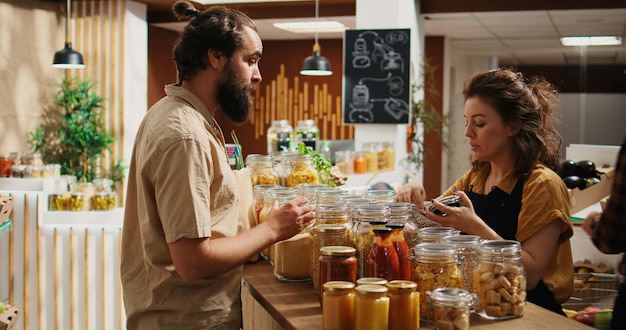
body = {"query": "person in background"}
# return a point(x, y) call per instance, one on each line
point(608, 232)
point(512, 190)
point(182, 257)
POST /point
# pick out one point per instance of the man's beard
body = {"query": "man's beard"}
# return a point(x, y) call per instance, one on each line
point(234, 99)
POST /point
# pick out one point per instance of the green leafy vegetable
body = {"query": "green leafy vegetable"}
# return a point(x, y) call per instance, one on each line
point(239, 164)
point(322, 165)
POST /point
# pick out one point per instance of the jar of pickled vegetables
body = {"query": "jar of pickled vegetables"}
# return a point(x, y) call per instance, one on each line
point(466, 255)
point(5, 166)
point(76, 201)
point(299, 169)
point(404, 305)
point(500, 280)
point(435, 267)
point(450, 308)
point(104, 201)
point(337, 263)
point(262, 170)
point(382, 260)
point(338, 305)
point(371, 307)
point(365, 219)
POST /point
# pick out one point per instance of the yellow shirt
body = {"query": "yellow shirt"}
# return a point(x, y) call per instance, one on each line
point(544, 199)
point(179, 185)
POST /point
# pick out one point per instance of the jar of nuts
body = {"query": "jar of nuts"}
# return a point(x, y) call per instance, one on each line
point(435, 267)
point(450, 308)
point(500, 280)
point(466, 255)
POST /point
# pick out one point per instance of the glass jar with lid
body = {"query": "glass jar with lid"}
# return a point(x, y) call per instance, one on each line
point(371, 307)
point(307, 133)
point(336, 263)
point(382, 260)
point(5, 166)
point(466, 255)
point(262, 170)
point(434, 234)
point(402, 249)
point(365, 219)
point(291, 258)
point(279, 137)
point(330, 195)
point(338, 305)
point(344, 161)
point(360, 163)
point(370, 151)
point(280, 194)
point(309, 190)
point(371, 281)
point(386, 156)
point(299, 169)
point(500, 280)
point(323, 235)
point(435, 267)
point(333, 213)
point(450, 308)
point(404, 304)
point(381, 196)
point(404, 213)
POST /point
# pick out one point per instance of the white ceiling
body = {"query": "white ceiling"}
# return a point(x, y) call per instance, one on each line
point(515, 38)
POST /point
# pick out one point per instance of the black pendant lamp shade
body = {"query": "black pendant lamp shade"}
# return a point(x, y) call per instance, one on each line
point(316, 64)
point(68, 58)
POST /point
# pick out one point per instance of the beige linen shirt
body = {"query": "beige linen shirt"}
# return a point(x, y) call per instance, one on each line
point(180, 185)
point(544, 199)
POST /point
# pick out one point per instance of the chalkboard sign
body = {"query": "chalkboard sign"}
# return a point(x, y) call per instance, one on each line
point(376, 76)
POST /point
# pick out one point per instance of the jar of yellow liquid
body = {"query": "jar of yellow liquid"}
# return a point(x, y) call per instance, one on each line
point(371, 307)
point(338, 306)
point(404, 305)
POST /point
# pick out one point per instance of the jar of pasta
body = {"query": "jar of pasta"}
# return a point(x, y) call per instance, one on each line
point(323, 235)
point(500, 280)
point(370, 151)
point(336, 263)
point(466, 255)
point(404, 305)
point(262, 170)
point(371, 307)
point(299, 169)
point(450, 308)
point(338, 305)
point(434, 234)
point(435, 267)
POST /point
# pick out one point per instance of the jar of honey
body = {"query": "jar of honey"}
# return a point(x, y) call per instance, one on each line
point(435, 267)
point(371, 281)
point(337, 263)
point(371, 307)
point(338, 305)
point(500, 280)
point(404, 305)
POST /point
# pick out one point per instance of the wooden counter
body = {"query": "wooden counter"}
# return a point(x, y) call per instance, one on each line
point(269, 303)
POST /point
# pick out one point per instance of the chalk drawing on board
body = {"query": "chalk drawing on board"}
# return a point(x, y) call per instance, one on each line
point(395, 107)
point(361, 55)
point(361, 104)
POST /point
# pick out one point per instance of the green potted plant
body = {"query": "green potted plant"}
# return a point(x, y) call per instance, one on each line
point(72, 133)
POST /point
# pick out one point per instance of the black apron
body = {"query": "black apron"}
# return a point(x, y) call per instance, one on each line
point(500, 211)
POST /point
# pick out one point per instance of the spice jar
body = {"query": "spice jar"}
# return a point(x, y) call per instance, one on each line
point(450, 308)
point(362, 235)
point(323, 235)
point(338, 305)
point(299, 169)
point(262, 170)
point(307, 133)
point(402, 249)
point(500, 280)
point(434, 234)
point(371, 307)
point(5, 166)
point(279, 136)
point(360, 163)
point(466, 255)
point(403, 305)
point(404, 213)
point(337, 263)
point(435, 267)
point(382, 261)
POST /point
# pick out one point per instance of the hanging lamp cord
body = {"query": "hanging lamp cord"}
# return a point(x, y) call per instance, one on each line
point(317, 15)
point(67, 21)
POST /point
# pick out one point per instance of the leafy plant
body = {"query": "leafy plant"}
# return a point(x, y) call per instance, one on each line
point(424, 115)
point(322, 165)
point(72, 133)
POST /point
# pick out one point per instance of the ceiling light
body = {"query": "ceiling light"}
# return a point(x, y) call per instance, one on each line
point(591, 41)
point(68, 58)
point(316, 64)
point(311, 26)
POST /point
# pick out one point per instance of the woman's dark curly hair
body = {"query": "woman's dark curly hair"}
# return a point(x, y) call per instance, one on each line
point(216, 28)
point(528, 103)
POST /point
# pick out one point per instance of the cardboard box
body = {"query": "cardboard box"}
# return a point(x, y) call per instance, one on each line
point(8, 319)
point(580, 199)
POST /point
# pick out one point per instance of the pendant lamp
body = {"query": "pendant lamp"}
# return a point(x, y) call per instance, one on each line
point(316, 64)
point(68, 58)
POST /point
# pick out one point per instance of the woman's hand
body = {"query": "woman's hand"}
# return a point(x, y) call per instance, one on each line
point(462, 217)
point(412, 192)
point(590, 222)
